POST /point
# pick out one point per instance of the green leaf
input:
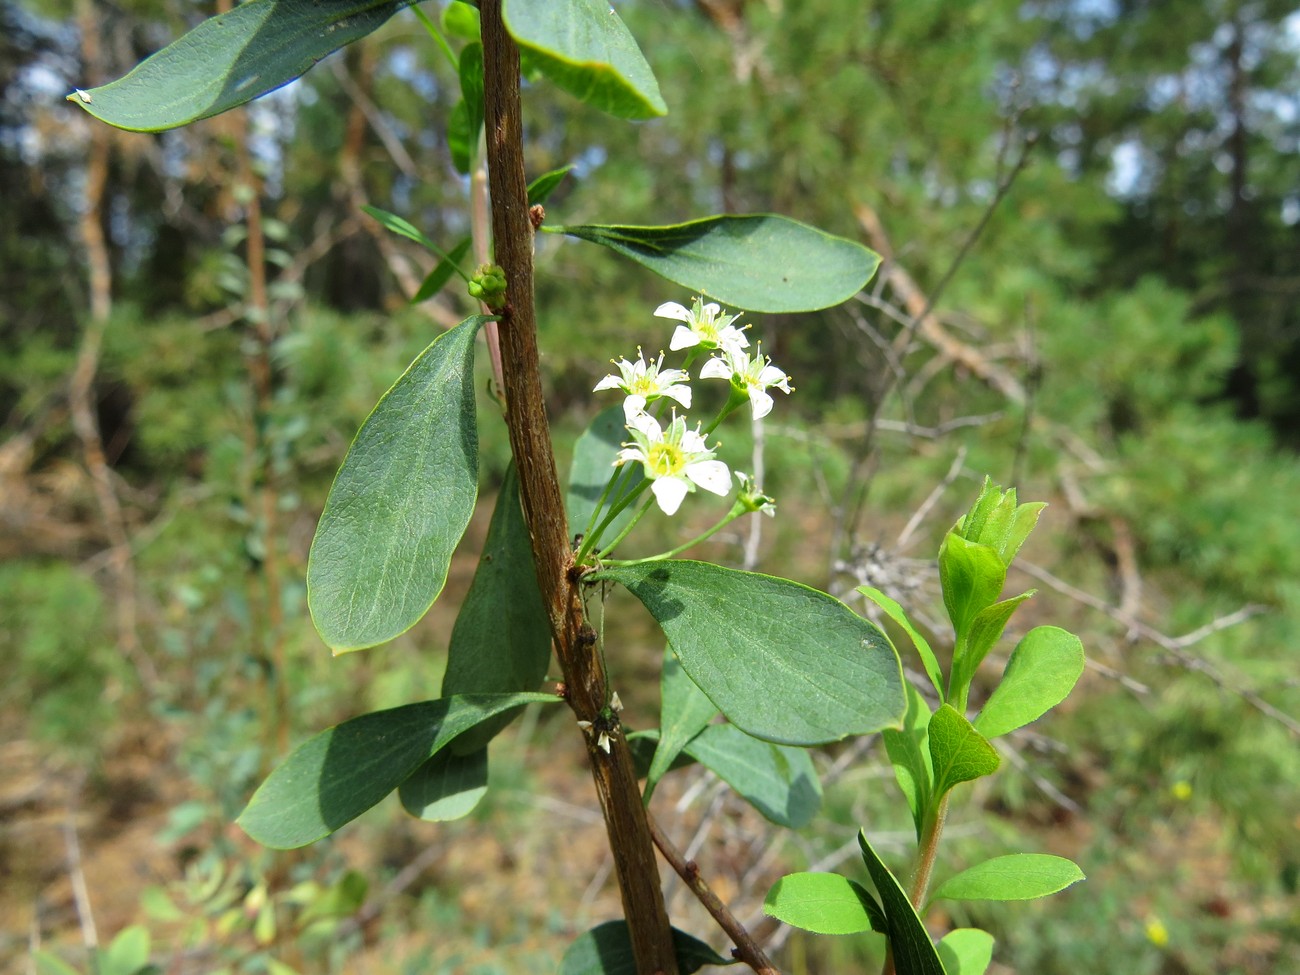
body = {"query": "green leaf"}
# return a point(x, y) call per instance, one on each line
point(540, 189)
point(985, 630)
point(759, 262)
point(592, 467)
point(584, 48)
point(446, 786)
point(48, 963)
point(914, 952)
point(461, 20)
point(442, 273)
point(1016, 877)
point(958, 753)
point(231, 59)
point(400, 502)
point(332, 778)
point(972, 576)
point(896, 613)
point(824, 903)
point(782, 661)
point(460, 140)
point(909, 754)
point(471, 88)
point(1042, 671)
point(607, 950)
point(501, 641)
point(777, 780)
point(127, 953)
point(684, 710)
point(966, 951)
point(402, 227)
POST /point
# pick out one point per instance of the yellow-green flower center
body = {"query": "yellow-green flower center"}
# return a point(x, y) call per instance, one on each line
point(664, 459)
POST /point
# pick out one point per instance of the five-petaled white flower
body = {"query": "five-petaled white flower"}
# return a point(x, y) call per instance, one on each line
point(753, 375)
point(705, 326)
point(644, 382)
point(676, 460)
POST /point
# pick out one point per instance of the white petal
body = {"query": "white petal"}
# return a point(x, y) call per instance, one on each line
point(680, 393)
point(759, 402)
point(671, 309)
point(712, 475)
point(710, 310)
point(630, 454)
point(732, 339)
point(633, 407)
point(609, 382)
point(772, 376)
point(647, 426)
point(716, 368)
point(683, 338)
point(669, 491)
point(693, 443)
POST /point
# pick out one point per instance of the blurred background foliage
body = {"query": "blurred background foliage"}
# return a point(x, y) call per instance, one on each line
point(1091, 212)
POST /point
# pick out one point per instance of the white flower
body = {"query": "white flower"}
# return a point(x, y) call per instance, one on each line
point(705, 326)
point(676, 460)
point(644, 382)
point(754, 376)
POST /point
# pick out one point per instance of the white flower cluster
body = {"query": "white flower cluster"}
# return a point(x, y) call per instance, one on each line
point(676, 458)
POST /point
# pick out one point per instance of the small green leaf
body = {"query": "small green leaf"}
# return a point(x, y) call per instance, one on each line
point(824, 903)
point(1042, 671)
point(48, 963)
point(985, 630)
point(400, 502)
point(592, 467)
point(584, 48)
point(127, 953)
point(966, 951)
point(972, 576)
point(782, 661)
point(914, 952)
point(684, 710)
point(332, 778)
point(461, 20)
point(1016, 877)
point(777, 780)
point(607, 950)
point(540, 189)
point(501, 641)
point(958, 752)
point(402, 227)
point(759, 262)
point(909, 754)
point(896, 613)
point(471, 89)
point(446, 786)
point(460, 138)
point(231, 59)
point(442, 273)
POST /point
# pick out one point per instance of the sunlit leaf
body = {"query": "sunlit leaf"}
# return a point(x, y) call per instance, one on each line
point(909, 754)
point(1042, 671)
point(966, 951)
point(446, 786)
point(958, 753)
point(914, 952)
point(824, 903)
point(1016, 877)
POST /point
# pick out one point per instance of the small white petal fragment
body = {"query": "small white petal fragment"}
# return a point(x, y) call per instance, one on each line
point(603, 742)
point(83, 95)
point(584, 725)
point(615, 703)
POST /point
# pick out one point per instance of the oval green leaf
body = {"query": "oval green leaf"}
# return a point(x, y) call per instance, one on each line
point(909, 754)
point(782, 661)
point(501, 641)
point(231, 59)
point(684, 711)
point(332, 778)
point(777, 780)
point(1042, 671)
point(400, 502)
point(584, 48)
point(759, 262)
point(914, 952)
point(824, 903)
point(1016, 877)
point(607, 950)
point(446, 786)
point(966, 951)
point(958, 753)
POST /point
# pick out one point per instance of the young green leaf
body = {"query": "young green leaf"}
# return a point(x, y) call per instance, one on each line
point(442, 272)
point(1016, 877)
point(231, 59)
point(985, 630)
point(758, 262)
point(48, 963)
point(591, 468)
point(332, 778)
point(460, 138)
point(684, 710)
point(896, 613)
point(540, 189)
point(972, 576)
point(914, 952)
point(471, 88)
point(909, 754)
point(607, 950)
point(501, 640)
point(1042, 671)
point(777, 780)
point(782, 661)
point(966, 951)
point(128, 952)
point(400, 502)
point(402, 227)
point(958, 752)
point(446, 786)
point(824, 903)
point(584, 48)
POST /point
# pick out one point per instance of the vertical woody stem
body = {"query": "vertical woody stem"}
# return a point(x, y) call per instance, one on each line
point(543, 504)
